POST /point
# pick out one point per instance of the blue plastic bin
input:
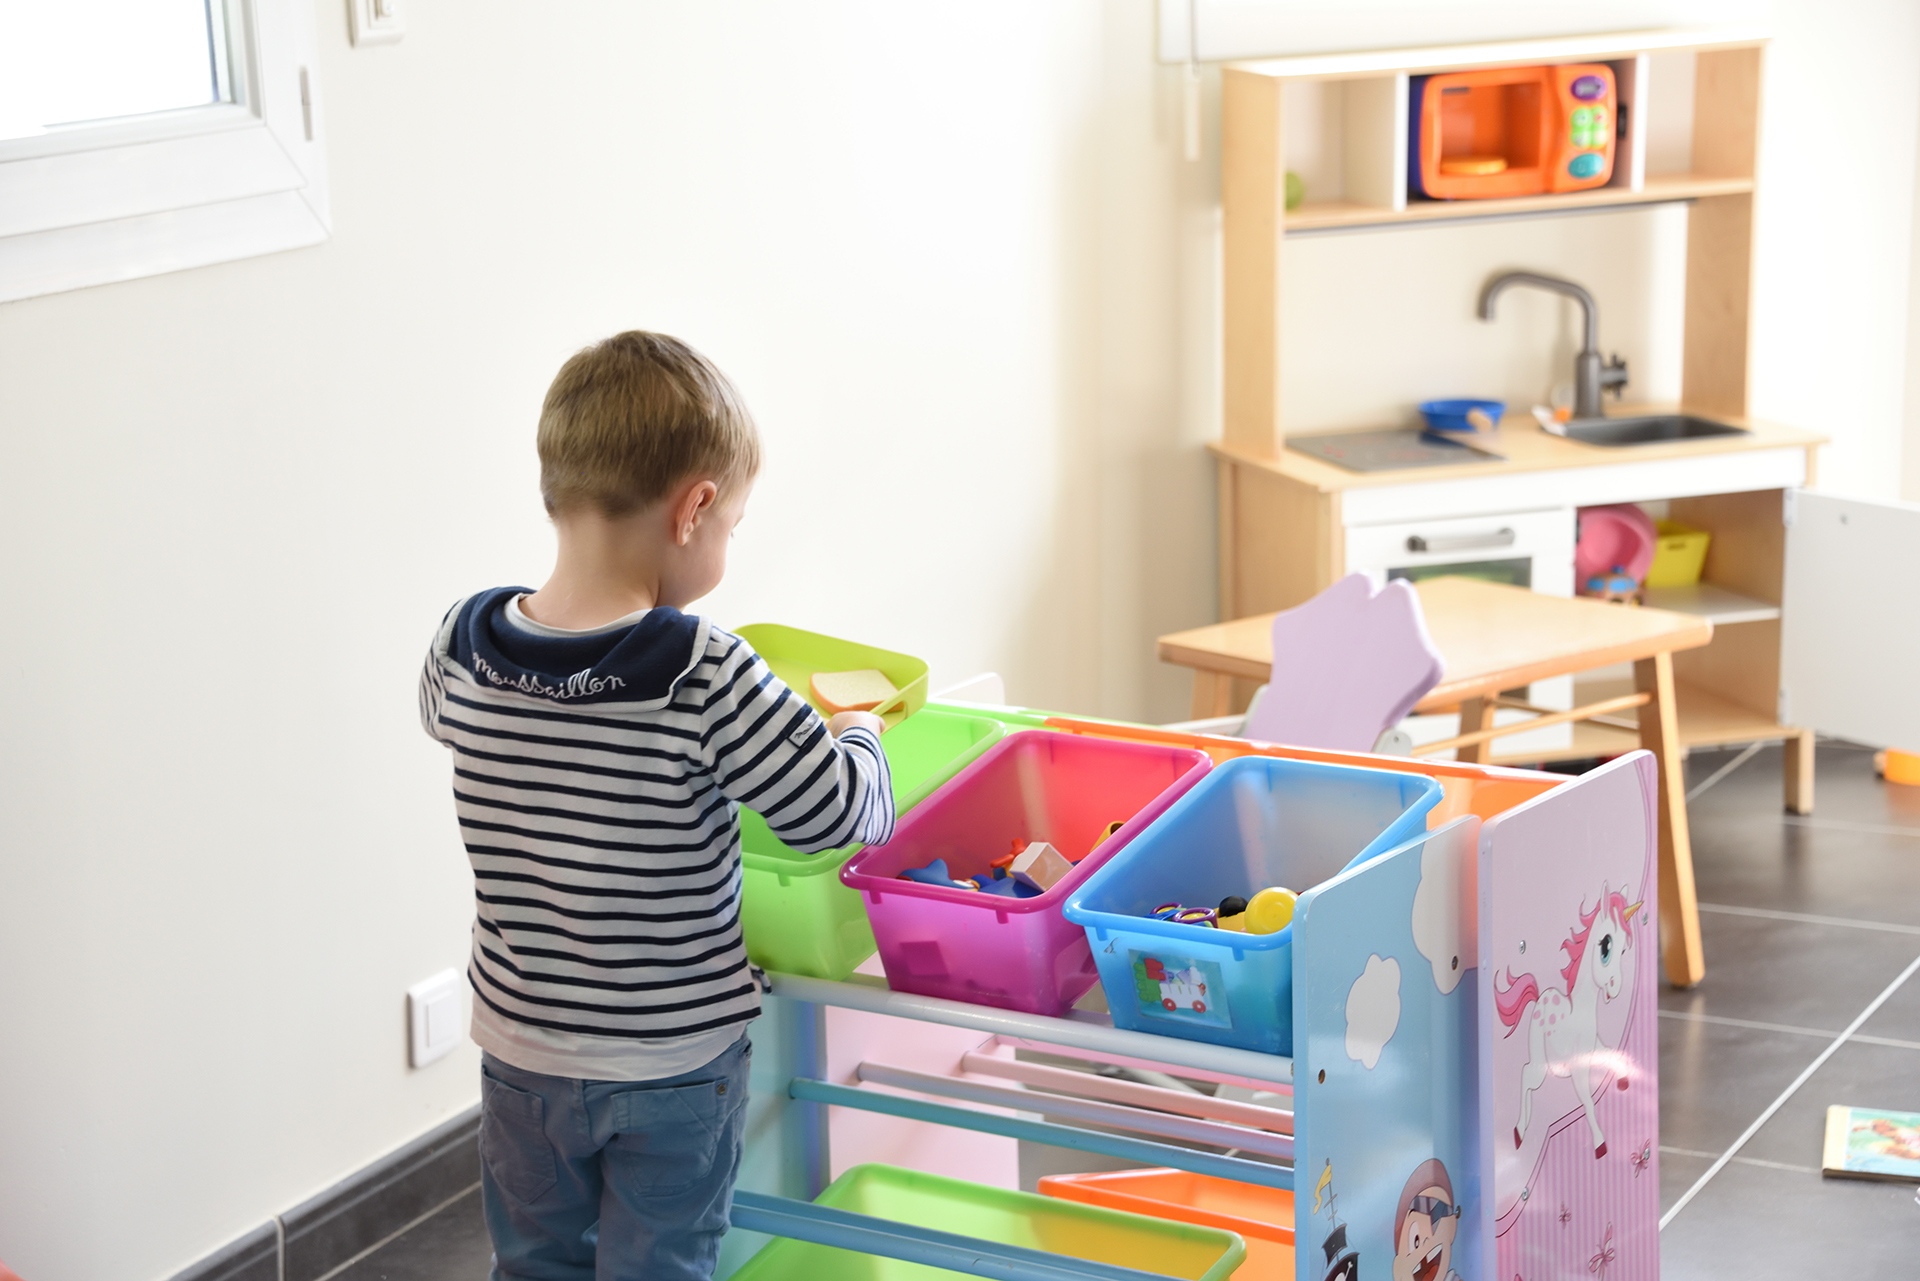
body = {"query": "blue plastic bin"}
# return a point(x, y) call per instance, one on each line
point(1250, 823)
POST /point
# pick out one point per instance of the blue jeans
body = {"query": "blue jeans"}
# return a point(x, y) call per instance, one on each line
point(610, 1180)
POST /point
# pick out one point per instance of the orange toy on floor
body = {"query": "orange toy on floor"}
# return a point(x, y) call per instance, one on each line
point(1893, 765)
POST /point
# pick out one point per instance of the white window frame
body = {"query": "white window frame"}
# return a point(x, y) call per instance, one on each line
point(176, 189)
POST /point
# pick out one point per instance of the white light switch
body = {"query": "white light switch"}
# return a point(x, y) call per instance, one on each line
point(433, 1017)
point(375, 21)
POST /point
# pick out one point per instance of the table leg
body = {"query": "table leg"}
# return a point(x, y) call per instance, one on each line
point(1679, 911)
point(1476, 714)
point(1212, 695)
point(1799, 772)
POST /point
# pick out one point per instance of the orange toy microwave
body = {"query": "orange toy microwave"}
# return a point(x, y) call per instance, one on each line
point(1515, 131)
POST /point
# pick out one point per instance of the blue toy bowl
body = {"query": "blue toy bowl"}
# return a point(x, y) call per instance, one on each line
point(1451, 415)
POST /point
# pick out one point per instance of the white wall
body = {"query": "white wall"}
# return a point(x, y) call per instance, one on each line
point(1833, 231)
point(1374, 322)
point(1910, 447)
point(936, 247)
point(948, 249)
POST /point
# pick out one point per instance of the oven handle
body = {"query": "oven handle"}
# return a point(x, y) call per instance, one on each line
point(1462, 543)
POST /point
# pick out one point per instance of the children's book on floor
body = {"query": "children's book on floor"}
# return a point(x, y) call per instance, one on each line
point(1868, 1143)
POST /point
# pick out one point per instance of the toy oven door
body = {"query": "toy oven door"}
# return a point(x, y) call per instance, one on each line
point(1532, 549)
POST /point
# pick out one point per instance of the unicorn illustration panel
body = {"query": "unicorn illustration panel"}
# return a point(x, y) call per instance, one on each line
point(1568, 974)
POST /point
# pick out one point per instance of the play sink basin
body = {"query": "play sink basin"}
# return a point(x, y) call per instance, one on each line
point(1646, 429)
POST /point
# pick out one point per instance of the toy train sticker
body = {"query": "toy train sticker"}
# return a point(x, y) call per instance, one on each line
point(1180, 988)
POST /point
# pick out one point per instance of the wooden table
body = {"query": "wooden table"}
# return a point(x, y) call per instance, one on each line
point(1493, 639)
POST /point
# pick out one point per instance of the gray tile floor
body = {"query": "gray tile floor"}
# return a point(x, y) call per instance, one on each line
point(1807, 922)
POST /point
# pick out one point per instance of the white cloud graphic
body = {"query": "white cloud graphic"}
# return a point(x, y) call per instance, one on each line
point(1373, 1010)
point(1444, 909)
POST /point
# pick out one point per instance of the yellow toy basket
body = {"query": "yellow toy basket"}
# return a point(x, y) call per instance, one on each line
point(1678, 555)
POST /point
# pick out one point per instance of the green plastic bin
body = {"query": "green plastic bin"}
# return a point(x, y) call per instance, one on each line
point(795, 656)
point(1070, 1228)
point(798, 917)
point(1012, 717)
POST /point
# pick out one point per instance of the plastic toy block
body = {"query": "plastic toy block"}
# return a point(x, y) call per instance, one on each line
point(1040, 866)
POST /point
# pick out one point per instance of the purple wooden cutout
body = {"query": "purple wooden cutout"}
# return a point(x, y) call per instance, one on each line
point(1346, 665)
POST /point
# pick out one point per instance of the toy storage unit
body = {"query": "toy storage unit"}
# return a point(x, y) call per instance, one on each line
point(1262, 1216)
point(1253, 822)
point(1086, 1232)
point(1034, 785)
point(1481, 790)
point(1396, 1036)
point(797, 916)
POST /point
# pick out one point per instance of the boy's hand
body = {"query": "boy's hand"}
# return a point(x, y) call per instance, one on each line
point(844, 721)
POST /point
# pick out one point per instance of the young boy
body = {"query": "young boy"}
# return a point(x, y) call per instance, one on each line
point(603, 742)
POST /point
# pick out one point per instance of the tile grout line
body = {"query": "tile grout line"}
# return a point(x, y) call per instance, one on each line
point(1843, 825)
point(391, 1237)
point(1774, 914)
point(1725, 770)
point(1789, 1092)
point(1724, 1021)
point(1887, 1041)
point(1721, 1020)
point(1743, 1160)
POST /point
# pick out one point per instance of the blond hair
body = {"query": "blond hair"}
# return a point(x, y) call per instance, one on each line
point(634, 415)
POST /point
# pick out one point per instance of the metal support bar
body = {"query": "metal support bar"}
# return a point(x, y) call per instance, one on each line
point(1060, 1136)
point(1588, 712)
point(1087, 1032)
point(1181, 1102)
point(824, 1225)
point(1109, 1058)
point(1121, 1116)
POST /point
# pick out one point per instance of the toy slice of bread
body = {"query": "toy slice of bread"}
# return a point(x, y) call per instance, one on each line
point(860, 691)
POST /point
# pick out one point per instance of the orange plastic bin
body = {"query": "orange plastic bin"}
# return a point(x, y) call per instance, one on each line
point(1262, 1216)
point(1484, 790)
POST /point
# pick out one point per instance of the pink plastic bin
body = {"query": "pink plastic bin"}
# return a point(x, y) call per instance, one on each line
point(1035, 785)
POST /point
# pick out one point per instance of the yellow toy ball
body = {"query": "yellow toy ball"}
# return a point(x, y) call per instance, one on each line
point(1270, 911)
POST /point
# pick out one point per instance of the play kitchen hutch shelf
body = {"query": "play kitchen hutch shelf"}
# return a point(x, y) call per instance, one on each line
point(1290, 524)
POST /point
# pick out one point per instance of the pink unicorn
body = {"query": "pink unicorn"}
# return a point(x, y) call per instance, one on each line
point(1563, 1034)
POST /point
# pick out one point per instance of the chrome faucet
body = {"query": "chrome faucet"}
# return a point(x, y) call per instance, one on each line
point(1590, 376)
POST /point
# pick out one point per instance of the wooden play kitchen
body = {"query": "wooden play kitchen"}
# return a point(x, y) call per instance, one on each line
point(1777, 667)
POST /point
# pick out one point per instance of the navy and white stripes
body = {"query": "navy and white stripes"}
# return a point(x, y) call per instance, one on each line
point(597, 779)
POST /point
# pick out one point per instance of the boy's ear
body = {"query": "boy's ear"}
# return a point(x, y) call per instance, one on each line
point(694, 502)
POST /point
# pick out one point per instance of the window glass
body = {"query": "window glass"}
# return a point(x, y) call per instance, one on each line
point(71, 62)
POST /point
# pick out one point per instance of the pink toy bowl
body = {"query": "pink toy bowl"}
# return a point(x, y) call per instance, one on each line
point(1036, 785)
point(1621, 536)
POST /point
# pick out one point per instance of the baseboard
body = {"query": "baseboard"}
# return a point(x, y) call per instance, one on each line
point(320, 1236)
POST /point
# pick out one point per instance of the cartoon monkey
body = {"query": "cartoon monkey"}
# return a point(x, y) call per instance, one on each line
point(1423, 1234)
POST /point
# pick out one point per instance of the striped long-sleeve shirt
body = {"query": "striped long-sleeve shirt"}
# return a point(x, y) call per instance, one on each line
point(598, 777)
